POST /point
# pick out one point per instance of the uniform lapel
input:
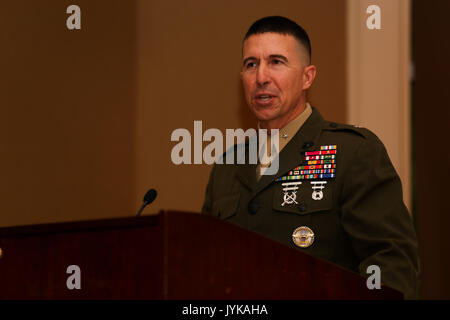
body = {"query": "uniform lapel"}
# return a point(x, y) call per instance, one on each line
point(246, 173)
point(305, 139)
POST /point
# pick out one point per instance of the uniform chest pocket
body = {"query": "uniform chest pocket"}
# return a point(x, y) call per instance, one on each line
point(226, 207)
point(303, 197)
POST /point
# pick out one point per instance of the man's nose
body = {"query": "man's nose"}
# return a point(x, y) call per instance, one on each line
point(262, 75)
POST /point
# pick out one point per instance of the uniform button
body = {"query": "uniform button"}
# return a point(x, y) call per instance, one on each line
point(308, 144)
point(302, 207)
point(333, 125)
point(253, 207)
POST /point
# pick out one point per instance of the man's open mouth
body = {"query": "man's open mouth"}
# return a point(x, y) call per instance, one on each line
point(264, 97)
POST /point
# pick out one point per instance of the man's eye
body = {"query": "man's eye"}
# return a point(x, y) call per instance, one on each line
point(276, 61)
point(250, 65)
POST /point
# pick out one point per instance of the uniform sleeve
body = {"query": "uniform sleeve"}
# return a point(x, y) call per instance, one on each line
point(207, 203)
point(376, 219)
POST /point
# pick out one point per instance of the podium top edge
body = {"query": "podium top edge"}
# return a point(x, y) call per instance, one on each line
point(80, 225)
point(87, 225)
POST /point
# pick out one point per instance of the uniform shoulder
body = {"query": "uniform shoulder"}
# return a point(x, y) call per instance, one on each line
point(355, 134)
point(349, 129)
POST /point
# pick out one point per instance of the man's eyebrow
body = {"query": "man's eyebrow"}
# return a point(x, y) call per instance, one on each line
point(272, 56)
point(278, 56)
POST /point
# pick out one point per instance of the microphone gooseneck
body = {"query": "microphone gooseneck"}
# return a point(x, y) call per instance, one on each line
point(148, 198)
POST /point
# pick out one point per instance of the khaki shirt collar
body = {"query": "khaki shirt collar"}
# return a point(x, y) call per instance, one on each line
point(287, 133)
point(289, 130)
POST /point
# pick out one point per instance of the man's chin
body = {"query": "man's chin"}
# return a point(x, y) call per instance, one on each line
point(265, 116)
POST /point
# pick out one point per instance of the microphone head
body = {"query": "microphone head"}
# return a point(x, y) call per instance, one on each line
point(150, 196)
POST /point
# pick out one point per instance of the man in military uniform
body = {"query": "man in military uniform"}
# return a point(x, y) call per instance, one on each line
point(336, 194)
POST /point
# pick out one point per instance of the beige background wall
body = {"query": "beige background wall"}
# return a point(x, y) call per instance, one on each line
point(86, 116)
point(378, 88)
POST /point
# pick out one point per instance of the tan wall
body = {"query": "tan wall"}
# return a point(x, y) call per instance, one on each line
point(67, 104)
point(86, 116)
point(378, 87)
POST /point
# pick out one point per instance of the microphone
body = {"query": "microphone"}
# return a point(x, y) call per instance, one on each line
point(148, 198)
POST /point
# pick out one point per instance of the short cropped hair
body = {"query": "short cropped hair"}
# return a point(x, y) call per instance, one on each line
point(281, 25)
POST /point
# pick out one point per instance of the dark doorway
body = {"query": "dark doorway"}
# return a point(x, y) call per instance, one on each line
point(431, 150)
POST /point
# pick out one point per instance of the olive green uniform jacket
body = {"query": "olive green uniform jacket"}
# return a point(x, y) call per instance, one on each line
point(361, 219)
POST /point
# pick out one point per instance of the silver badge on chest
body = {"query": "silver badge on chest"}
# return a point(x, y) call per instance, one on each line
point(317, 187)
point(290, 192)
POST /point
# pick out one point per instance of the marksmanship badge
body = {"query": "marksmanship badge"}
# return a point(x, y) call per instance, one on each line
point(290, 192)
point(317, 187)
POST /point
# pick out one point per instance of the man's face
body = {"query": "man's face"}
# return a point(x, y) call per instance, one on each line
point(274, 76)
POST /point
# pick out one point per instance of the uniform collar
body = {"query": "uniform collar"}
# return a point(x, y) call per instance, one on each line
point(289, 130)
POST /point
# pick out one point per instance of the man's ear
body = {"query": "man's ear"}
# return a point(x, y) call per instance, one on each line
point(309, 74)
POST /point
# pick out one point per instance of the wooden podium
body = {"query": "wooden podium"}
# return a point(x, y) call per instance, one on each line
point(172, 255)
